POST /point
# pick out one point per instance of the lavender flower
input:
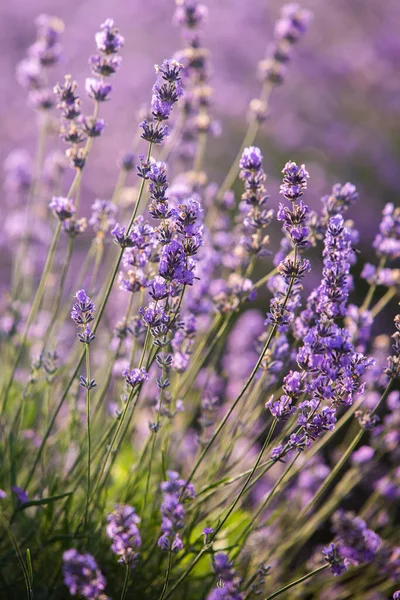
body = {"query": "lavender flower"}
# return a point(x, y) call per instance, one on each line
point(103, 215)
point(63, 208)
point(122, 529)
point(257, 217)
point(337, 562)
point(82, 575)
point(228, 585)
point(172, 511)
point(135, 377)
point(166, 92)
point(292, 24)
point(387, 242)
point(356, 543)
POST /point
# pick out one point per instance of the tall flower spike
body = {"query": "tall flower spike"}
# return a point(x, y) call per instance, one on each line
point(257, 217)
point(166, 92)
point(82, 314)
point(172, 511)
point(291, 26)
point(122, 529)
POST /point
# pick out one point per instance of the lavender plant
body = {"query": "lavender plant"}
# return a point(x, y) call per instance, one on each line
point(225, 423)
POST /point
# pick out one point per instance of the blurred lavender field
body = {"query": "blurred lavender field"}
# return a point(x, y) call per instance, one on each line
point(199, 280)
point(338, 109)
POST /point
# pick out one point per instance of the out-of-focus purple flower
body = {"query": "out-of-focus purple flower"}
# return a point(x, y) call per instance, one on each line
point(336, 561)
point(190, 14)
point(289, 28)
point(103, 215)
point(172, 511)
point(21, 495)
point(82, 576)
point(18, 171)
point(228, 581)
point(122, 529)
point(354, 540)
point(109, 40)
point(362, 455)
point(387, 242)
point(97, 89)
point(63, 208)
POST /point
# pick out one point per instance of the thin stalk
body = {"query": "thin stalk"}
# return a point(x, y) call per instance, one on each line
point(244, 389)
point(248, 140)
point(294, 583)
point(167, 575)
point(89, 440)
point(126, 582)
point(187, 572)
point(95, 326)
point(265, 503)
point(32, 314)
point(114, 438)
point(57, 302)
point(386, 298)
point(246, 483)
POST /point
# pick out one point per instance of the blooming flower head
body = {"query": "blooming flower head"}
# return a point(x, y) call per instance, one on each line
point(82, 314)
point(294, 181)
point(134, 377)
point(103, 215)
point(166, 92)
point(63, 208)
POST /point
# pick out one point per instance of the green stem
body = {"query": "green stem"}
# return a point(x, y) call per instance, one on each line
point(32, 314)
point(57, 302)
point(95, 326)
point(167, 575)
point(89, 441)
point(386, 298)
point(294, 583)
point(244, 389)
point(248, 140)
point(126, 582)
point(246, 483)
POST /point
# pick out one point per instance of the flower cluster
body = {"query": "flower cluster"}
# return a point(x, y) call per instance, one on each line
point(333, 557)
point(80, 127)
point(393, 368)
point(82, 314)
point(166, 92)
point(191, 15)
point(175, 490)
point(355, 542)
point(291, 271)
point(44, 53)
point(109, 43)
point(122, 529)
point(229, 583)
point(257, 217)
point(103, 216)
point(82, 576)
point(291, 26)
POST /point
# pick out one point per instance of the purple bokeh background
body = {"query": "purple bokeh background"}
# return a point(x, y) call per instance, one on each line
point(338, 111)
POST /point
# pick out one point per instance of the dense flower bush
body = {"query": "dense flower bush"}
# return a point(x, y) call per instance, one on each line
point(161, 435)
